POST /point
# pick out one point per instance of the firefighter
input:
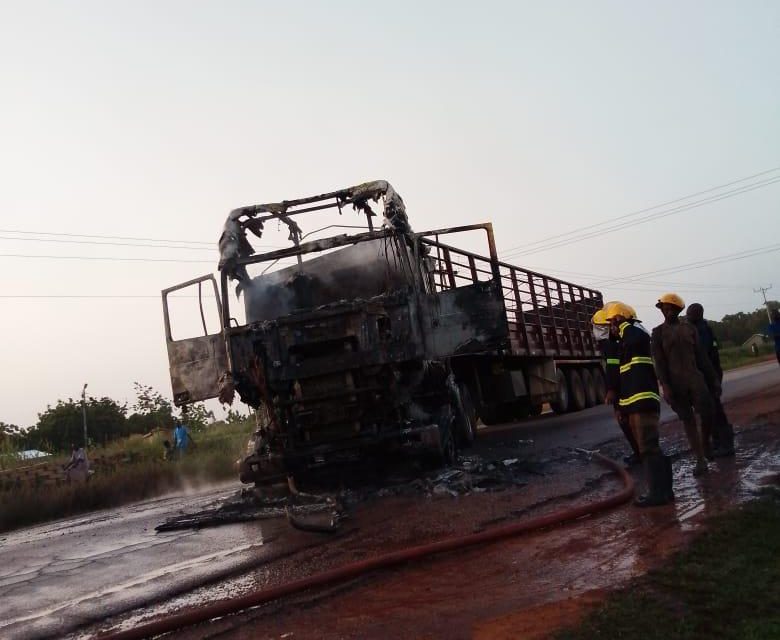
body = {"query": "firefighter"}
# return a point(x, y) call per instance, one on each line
point(606, 338)
point(723, 433)
point(686, 375)
point(640, 403)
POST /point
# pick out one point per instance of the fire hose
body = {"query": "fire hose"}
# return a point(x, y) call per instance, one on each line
point(384, 561)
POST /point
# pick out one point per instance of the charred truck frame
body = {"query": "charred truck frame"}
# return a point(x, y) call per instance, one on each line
point(388, 339)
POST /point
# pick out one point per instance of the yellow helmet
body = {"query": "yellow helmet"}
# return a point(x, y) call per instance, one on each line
point(600, 317)
point(671, 298)
point(614, 309)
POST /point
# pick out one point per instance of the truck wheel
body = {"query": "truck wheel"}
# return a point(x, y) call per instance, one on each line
point(576, 390)
point(561, 402)
point(467, 417)
point(590, 388)
point(600, 385)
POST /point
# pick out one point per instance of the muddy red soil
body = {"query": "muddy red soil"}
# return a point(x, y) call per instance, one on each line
point(526, 587)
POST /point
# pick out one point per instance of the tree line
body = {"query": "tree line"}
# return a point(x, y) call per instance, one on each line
point(734, 329)
point(61, 426)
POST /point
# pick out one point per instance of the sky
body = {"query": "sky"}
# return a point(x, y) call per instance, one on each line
point(153, 120)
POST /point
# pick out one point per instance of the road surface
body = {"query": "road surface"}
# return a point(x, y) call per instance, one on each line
point(61, 576)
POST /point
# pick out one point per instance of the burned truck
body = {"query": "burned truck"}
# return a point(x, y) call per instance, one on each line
point(385, 339)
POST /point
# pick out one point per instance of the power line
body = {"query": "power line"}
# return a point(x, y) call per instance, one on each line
point(641, 211)
point(98, 296)
point(105, 258)
point(699, 264)
point(213, 248)
point(602, 276)
point(655, 216)
point(104, 237)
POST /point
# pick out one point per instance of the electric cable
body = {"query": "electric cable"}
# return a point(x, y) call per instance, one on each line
point(640, 211)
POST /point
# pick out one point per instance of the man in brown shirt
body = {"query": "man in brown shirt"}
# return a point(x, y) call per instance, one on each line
point(686, 375)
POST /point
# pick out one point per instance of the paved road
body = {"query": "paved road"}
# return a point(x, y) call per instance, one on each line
point(589, 428)
point(57, 577)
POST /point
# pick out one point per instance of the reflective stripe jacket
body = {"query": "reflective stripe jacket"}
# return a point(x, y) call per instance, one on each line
point(610, 349)
point(638, 384)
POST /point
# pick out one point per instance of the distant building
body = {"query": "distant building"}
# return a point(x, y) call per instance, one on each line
point(31, 454)
point(757, 339)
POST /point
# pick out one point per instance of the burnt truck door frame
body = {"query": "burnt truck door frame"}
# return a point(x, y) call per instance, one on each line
point(195, 364)
point(464, 315)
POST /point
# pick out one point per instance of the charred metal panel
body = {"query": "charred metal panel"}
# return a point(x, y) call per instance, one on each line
point(469, 319)
point(196, 365)
point(359, 272)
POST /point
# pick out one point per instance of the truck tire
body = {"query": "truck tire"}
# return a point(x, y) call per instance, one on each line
point(590, 388)
point(561, 402)
point(576, 390)
point(466, 421)
point(600, 385)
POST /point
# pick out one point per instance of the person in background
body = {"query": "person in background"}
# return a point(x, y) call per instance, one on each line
point(686, 376)
point(167, 451)
point(78, 465)
point(723, 433)
point(774, 331)
point(640, 403)
point(181, 439)
point(606, 338)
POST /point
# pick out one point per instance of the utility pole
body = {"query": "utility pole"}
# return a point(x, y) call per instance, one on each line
point(762, 291)
point(84, 412)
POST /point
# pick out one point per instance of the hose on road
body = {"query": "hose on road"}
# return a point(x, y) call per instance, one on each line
point(385, 561)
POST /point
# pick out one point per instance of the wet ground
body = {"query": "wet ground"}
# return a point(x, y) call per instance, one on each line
point(60, 576)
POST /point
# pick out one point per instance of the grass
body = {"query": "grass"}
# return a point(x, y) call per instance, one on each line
point(725, 585)
point(733, 357)
point(137, 471)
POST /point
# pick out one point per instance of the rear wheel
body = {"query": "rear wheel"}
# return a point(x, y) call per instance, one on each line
point(561, 402)
point(576, 390)
point(590, 388)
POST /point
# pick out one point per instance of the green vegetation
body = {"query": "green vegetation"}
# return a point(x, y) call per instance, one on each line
point(136, 471)
point(725, 585)
point(733, 357)
point(734, 329)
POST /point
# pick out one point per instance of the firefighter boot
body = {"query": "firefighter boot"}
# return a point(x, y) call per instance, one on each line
point(656, 477)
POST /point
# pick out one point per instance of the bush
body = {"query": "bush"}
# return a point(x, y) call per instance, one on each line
point(137, 472)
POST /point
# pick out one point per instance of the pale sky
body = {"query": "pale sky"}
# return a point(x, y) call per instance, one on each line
point(154, 119)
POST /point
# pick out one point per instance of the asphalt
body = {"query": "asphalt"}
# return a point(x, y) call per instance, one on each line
point(58, 577)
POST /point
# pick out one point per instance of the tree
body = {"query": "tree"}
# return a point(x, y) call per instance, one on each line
point(234, 417)
point(61, 426)
point(735, 328)
point(198, 417)
point(10, 435)
point(152, 410)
